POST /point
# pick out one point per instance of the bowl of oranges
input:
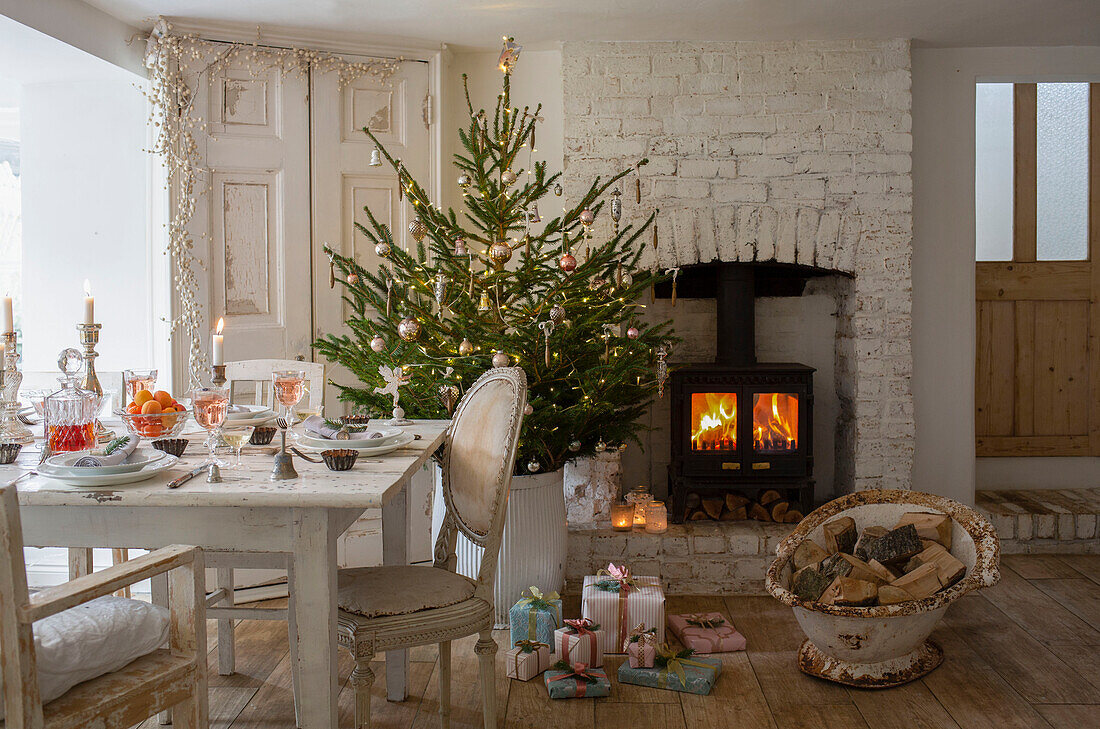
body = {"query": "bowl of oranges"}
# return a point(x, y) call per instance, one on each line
point(154, 415)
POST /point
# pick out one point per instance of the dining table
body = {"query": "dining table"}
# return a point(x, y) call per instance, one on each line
point(248, 513)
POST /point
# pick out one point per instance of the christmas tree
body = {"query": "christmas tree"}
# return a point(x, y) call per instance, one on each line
point(491, 289)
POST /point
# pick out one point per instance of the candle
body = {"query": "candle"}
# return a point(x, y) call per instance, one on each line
point(656, 517)
point(8, 317)
point(218, 355)
point(622, 517)
point(89, 304)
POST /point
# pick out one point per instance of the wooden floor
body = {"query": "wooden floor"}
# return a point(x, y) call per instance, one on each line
point(1024, 654)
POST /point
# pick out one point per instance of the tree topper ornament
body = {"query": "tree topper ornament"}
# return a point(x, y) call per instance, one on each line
point(395, 378)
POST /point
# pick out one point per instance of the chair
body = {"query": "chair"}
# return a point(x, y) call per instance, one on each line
point(156, 680)
point(387, 608)
point(259, 371)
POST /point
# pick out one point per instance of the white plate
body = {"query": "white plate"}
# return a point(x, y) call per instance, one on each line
point(357, 440)
point(400, 442)
point(254, 412)
point(114, 479)
point(63, 464)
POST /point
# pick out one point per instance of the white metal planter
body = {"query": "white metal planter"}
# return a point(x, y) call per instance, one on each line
point(885, 645)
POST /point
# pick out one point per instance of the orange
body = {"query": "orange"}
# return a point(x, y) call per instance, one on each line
point(150, 407)
point(133, 408)
point(164, 398)
point(142, 397)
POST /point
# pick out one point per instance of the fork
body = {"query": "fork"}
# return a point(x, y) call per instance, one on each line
point(26, 419)
point(281, 422)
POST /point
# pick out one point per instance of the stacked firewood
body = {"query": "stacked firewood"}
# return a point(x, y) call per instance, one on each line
point(769, 505)
point(877, 566)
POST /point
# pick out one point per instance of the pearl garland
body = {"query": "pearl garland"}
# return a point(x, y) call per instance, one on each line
point(176, 127)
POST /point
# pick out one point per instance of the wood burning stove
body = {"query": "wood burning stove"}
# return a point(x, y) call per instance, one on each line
point(740, 425)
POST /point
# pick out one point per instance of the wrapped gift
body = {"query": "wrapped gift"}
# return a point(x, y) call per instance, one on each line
point(617, 600)
point(675, 671)
point(575, 680)
point(579, 642)
point(706, 632)
point(535, 616)
point(641, 647)
point(528, 659)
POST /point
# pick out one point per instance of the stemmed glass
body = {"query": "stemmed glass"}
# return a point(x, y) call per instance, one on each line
point(236, 436)
point(211, 406)
point(289, 386)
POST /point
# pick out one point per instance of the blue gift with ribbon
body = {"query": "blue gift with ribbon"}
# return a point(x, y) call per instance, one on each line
point(535, 616)
point(676, 671)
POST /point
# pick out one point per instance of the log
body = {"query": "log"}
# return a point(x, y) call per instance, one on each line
point(713, 507)
point(890, 595)
point(921, 582)
point(860, 570)
point(768, 497)
point(856, 592)
point(739, 514)
point(895, 547)
point(840, 535)
point(779, 510)
point(727, 515)
point(807, 554)
point(698, 515)
point(733, 501)
point(793, 516)
point(758, 512)
point(936, 527)
point(949, 569)
point(832, 592)
point(835, 566)
point(867, 536)
point(887, 574)
point(808, 584)
point(692, 500)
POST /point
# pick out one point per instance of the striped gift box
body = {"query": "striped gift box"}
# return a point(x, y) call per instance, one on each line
point(643, 603)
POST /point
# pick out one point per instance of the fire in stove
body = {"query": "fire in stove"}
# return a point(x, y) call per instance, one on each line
point(774, 422)
point(714, 421)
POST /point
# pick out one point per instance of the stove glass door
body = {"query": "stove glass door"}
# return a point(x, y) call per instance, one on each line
point(713, 422)
point(774, 422)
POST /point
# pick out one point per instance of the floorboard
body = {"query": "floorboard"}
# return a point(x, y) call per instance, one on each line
point(905, 707)
point(1081, 596)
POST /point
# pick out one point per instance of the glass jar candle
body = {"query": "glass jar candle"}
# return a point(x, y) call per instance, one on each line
point(622, 517)
point(638, 497)
point(656, 517)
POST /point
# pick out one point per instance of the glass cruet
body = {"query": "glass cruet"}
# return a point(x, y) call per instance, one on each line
point(70, 413)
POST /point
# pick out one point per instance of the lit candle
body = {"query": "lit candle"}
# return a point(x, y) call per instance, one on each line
point(89, 304)
point(656, 517)
point(218, 355)
point(622, 517)
point(9, 318)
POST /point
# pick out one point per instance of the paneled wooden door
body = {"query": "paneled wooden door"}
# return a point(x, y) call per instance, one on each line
point(1038, 323)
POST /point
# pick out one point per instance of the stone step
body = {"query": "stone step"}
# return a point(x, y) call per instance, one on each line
point(712, 558)
point(1044, 520)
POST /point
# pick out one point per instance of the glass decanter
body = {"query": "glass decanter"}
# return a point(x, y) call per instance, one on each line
point(70, 413)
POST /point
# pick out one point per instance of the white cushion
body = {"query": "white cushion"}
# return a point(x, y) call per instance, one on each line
point(92, 639)
point(374, 592)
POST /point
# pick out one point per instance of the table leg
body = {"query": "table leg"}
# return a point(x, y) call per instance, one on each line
point(395, 550)
point(80, 562)
point(227, 657)
point(313, 585)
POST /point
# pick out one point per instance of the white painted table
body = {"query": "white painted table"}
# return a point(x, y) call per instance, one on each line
point(300, 518)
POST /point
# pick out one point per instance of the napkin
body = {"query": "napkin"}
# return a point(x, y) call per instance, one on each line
point(237, 409)
point(316, 425)
point(97, 459)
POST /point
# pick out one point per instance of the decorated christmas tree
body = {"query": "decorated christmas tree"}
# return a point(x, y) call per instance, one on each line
point(498, 286)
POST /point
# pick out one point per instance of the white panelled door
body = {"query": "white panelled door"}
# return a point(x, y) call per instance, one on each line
point(343, 183)
point(251, 216)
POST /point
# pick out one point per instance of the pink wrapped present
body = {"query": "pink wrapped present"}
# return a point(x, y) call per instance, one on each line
point(618, 600)
point(706, 632)
point(641, 647)
point(528, 659)
point(579, 641)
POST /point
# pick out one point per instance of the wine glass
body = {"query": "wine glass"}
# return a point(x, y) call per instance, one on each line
point(289, 386)
point(211, 406)
point(133, 381)
point(236, 436)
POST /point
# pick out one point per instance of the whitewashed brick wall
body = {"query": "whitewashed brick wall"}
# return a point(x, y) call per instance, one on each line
point(792, 151)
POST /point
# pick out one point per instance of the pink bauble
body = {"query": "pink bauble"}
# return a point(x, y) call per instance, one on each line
point(632, 333)
point(528, 409)
point(353, 279)
point(567, 263)
point(587, 217)
point(378, 344)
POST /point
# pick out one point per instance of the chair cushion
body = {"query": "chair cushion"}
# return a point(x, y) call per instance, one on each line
point(374, 592)
point(93, 639)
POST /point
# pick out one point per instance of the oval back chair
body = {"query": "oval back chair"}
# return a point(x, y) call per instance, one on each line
point(386, 608)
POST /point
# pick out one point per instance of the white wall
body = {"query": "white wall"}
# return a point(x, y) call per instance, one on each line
point(86, 196)
point(943, 266)
point(82, 26)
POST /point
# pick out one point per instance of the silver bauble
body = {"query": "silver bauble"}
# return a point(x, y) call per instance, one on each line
point(408, 329)
point(382, 249)
point(507, 177)
point(353, 279)
point(528, 409)
point(587, 217)
point(533, 466)
point(378, 343)
point(601, 446)
point(464, 180)
point(500, 253)
point(557, 189)
point(500, 359)
point(557, 314)
point(574, 445)
point(466, 348)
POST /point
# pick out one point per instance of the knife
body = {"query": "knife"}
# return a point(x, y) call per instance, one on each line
point(177, 482)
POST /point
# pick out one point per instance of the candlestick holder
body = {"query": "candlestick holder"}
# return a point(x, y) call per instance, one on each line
point(89, 338)
point(11, 430)
point(217, 377)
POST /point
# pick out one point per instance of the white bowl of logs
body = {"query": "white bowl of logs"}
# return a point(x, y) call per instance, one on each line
point(868, 624)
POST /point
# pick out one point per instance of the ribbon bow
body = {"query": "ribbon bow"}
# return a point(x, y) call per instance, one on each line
point(535, 602)
point(642, 637)
point(673, 661)
point(529, 646)
point(619, 578)
point(577, 670)
point(703, 621)
point(582, 626)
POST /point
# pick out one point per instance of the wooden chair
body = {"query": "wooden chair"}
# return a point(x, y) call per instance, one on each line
point(259, 371)
point(175, 676)
point(386, 608)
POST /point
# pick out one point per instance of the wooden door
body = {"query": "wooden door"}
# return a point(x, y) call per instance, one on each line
point(251, 219)
point(1038, 324)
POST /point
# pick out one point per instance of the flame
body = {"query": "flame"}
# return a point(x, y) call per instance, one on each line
point(775, 421)
point(713, 421)
point(87, 287)
point(221, 325)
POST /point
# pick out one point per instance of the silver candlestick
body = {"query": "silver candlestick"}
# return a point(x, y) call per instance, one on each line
point(217, 378)
point(89, 338)
point(11, 430)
